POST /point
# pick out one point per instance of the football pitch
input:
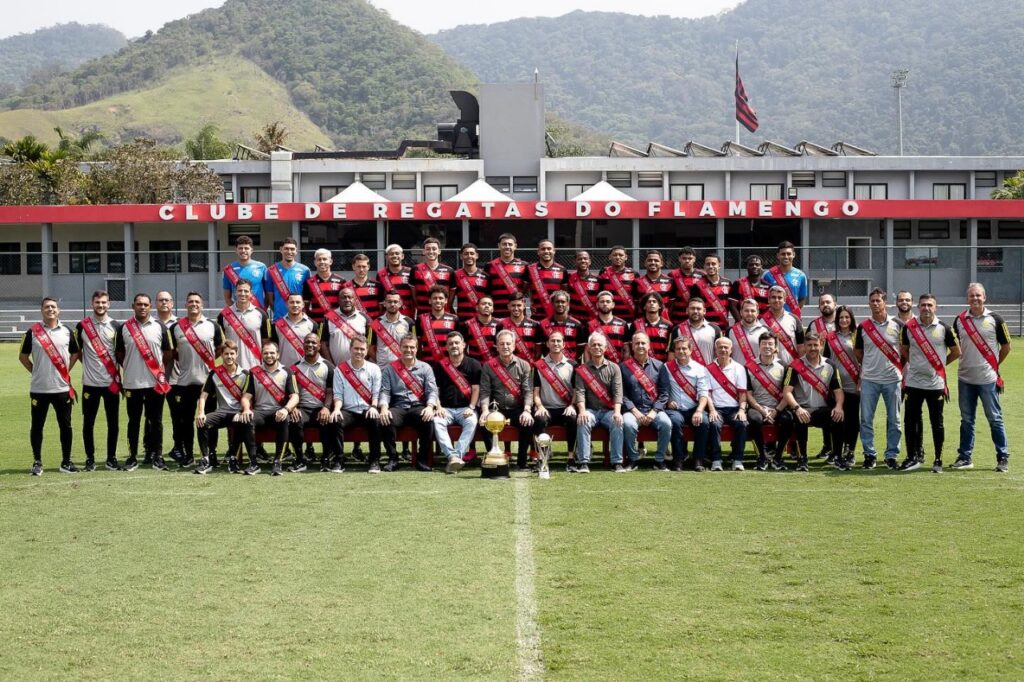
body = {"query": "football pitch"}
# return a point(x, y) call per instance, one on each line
point(647, 575)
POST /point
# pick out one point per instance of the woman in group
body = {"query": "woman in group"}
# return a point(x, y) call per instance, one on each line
point(839, 351)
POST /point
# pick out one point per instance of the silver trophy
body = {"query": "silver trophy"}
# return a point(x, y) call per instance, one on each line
point(544, 451)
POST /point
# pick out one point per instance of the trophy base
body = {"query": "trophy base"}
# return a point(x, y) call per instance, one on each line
point(494, 472)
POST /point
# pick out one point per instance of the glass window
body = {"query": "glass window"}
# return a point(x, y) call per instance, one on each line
point(873, 190)
point(985, 179)
point(689, 192)
point(573, 191)
point(948, 190)
point(236, 230)
point(933, 229)
point(115, 257)
point(803, 178)
point(255, 195)
point(375, 180)
point(330, 191)
point(34, 261)
point(765, 192)
point(198, 258)
point(10, 258)
point(1011, 229)
point(833, 178)
point(84, 257)
point(620, 178)
point(403, 181)
point(165, 256)
point(524, 183)
point(900, 229)
point(648, 179)
point(439, 192)
point(502, 183)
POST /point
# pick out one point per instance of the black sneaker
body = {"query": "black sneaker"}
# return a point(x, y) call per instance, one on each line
point(830, 460)
point(374, 468)
point(276, 470)
point(801, 465)
point(213, 460)
point(825, 453)
point(570, 467)
point(37, 468)
point(252, 470)
point(844, 464)
point(130, 464)
point(113, 465)
point(963, 463)
point(337, 467)
point(423, 466)
point(203, 467)
point(620, 469)
point(869, 462)
point(698, 466)
point(158, 463)
point(777, 465)
point(147, 459)
point(909, 464)
point(1003, 465)
point(357, 453)
point(90, 465)
point(583, 468)
point(187, 462)
point(68, 467)
point(891, 463)
point(391, 466)
point(175, 454)
point(298, 466)
point(232, 465)
point(937, 466)
point(761, 465)
point(660, 466)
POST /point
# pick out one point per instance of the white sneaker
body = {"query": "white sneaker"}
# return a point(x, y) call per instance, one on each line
point(737, 466)
point(454, 465)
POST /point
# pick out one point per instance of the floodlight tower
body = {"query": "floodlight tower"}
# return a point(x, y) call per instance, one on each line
point(899, 81)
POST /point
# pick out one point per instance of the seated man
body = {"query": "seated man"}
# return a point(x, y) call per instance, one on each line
point(356, 396)
point(506, 384)
point(640, 401)
point(552, 391)
point(728, 404)
point(268, 399)
point(765, 375)
point(598, 395)
point(408, 394)
point(684, 387)
point(815, 397)
point(314, 377)
point(225, 383)
point(458, 391)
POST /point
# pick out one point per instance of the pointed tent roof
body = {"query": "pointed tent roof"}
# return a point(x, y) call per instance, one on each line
point(480, 191)
point(357, 193)
point(602, 191)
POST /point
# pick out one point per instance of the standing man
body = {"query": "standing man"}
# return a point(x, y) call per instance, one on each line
point(904, 306)
point(165, 309)
point(356, 398)
point(815, 397)
point(876, 346)
point(546, 277)
point(785, 325)
point(395, 276)
point(435, 325)
point(683, 279)
point(640, 402)
point(702, 333)
point(746, 334)
point(986, 344)
point(288, 331)
point(246, 325)
point(314, 378)
point(654, 324)
point(583, 285)
point(342, 326)
point(196, 341)
point(685, 387)
point(470, 283)
point(714, 289)
point(749, 287)
point(408, 395)
point(598, 395)
point(287, 276)
point(143, 349)
point(825, 323)
point(482, 329)
point(765, 377)
point(369, 293)
point(619, 279)
point(165, 316)
point(553, 391)
point(614, 329)
point(268, 399)
point(928, 346)
point(391, 328)
point(49, 351)
point(245, 268)
point(322, 287)
point(458, 392)
point(728, 404)
point(506, 274)
point(506, 385)
point(101, 379)
point(430, 273)
point(527, 330)
point(792, 280)
point(653, 281)
point(225, 383)
point(572, 329)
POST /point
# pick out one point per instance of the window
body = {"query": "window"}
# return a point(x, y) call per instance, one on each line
point(873, 190)
point(524, 183)
point(648, 179)
point(573, 191)
point(84, 257)
point(198, 258)
point(439, 192)
point(502, 183)
point(900, 229)
point(375, 180)
point(620, 178)
point(115, 257)
point(933, 229)
point(165, 256)
point(948, 190)
point(985, 179)
point(803, 178)
point(403, 181)
point(328, 192)
point(255, 195)
point(833, 178)
point(984, 229)
point(10, 258)
point(765, 192)
point(1011, 229)
point(236, 230)
point(229, 193)
point(694, 192)
point(34, 262)
point(858, 253)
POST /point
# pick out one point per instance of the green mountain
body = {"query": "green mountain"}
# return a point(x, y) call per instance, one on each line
point(814, 70)
point(363, 79)
point(53, 49)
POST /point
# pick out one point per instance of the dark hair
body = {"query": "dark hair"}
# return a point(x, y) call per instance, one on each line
point(877, 291)
point(617, 247)
point(545, 240)
point(194, 293)
point(432, 240)
point(687, 251)
point(785, 245)
point(140, 295)
point(289, 240)
point(360, 257)
point(507, 235)
point(922, 297)
point(453, 334)
point(649, 295)
point(49, 298)
point(468, 245)
point(517, 296)
point(654, 252)
point(750, 258)
point(853, 318)
point(243, 240)
point(99, 293)
point(768, 336)
point(437, 289)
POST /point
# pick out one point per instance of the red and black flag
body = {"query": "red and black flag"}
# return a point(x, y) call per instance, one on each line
point(745, 113)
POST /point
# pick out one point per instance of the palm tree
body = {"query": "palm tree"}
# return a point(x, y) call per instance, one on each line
point(1013, 188)
point(271, 136)
point(26, 150)
point(77, 148)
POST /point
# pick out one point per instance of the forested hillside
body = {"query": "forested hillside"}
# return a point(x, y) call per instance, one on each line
point(53, 49)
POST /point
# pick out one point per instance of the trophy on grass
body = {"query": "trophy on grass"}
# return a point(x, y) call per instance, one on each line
point(495, 464)
point(544, 452)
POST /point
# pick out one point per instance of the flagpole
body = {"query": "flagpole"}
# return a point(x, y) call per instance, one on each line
point(737, 120)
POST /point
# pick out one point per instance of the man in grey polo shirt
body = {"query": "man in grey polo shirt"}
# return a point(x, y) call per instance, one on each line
point(598, 396)
point(408, 394)
point(193, 338)
point(552, 391)
point(101, 379)
point(815, 397)
point(245, 324)
point(506, 383)
point(314, 381)
point(356, 397)
point(877, 347)
point(268, 399)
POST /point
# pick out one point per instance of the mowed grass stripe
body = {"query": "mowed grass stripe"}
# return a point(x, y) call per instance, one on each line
point(528, 636)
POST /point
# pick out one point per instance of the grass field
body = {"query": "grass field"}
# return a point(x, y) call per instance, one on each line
point(864, 575)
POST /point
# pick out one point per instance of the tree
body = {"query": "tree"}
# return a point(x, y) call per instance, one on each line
point(1013, 188)
point(271, 136)
point(18, 185)
point(77, 147)
point(207, 145)
point(140, 172)
point(25, 150)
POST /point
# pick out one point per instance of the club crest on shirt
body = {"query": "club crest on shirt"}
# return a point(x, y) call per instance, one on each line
point(987, 323)
point(937, 333)
point(776, 372)
point(320, 371)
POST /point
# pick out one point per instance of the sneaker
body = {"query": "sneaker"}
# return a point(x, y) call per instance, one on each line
point(112, 465)
point(187, 462)
point(423, 466)
point(937, 466)
point(632, 465)
point(737, 465)
point(660, 466)
point(909, 464)
point(298, 466)
point(90, 465)
point(869, 462)
point(37, 468)
point(716, 465)
point(147, 459)
point(68, 467)
point(777, 465)
point(824, 453)
point(374, 468)
point(454, 465)
point(584, 468)
point(620, 469)
point(697, 466)
point(276, 470)
point(801, 465)
point(830, 460)
point(762, 465)
point(203, 467)
point(213, 460)
point(337, 467)
point(232, 465)
point(252, 470)
point(891, 463)
point(175, 454)
point(570, 467)
point(158, 463)
point(962, 463)
point(1003, 465)
point(130, 464)
point(392, 465)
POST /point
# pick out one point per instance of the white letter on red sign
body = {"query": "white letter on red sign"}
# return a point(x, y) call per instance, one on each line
point(540, 209)
point(244, 212)
point(764, 209)
point(821, 208)
point(582, 209)
point(463, 211)
point(270, 212)
point(380, 210)
point(512, 210)
point(166, 213)
point(312, 211)
point(707, 209)
point(340, 212)
point(792, 209)
point(851, 208)
point(407, 211)
point(653, 208)
point(612, 209)
point(434, 210)
point(487, 206)
point(737, 208)
point(218, 211)
point(190, 212)
point(677, 210)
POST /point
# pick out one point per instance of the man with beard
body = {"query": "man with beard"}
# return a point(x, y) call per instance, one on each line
point(572, 329)
point(765, 376)
point(368, 292)
point(619, 279)
point(506, 384)
point(458, 392)
point(395, 276)
point(268, 398)
point(700, 331)
point(746, 334)
point(814, 396)
point(246, 325)
point(314, 379)
point(343, 325)
point(583, 285)
point(749, 287)
point(291, 329)
point(552, 391)
point(683, 278)
point(654, 325)
point(792, 280)
point(224, 383)
point(653, 281)
point(824, 324)
point(430, 273)
point(506, 274)
point(101, 380)
point(904, 306)
point(285, 277)
point(614, 328)
point(390, 328)
point(546, 277)
point(322, 288)
point(640, 402)
point(784, 325)
point(470, 283)
point(528, 331)
point(714, 289)
point(408, 395)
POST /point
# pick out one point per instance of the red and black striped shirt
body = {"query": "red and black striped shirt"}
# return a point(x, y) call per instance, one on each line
point(721, 292)
point(573, 330)
point(617, 331)
point(681, 284)
point(370, 295)
point(442, 276)
point(477, 333)
point(660, 334)
point(530, 333)
point(663, 286)
point(464, 284)
point(330, 288)
point(756, 290)
point(401, 282)
point(516, 271)
point(433, 333)
point(622, 292)
point(551, 279)
point(577, 306)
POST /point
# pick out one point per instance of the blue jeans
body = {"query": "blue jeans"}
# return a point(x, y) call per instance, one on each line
point(968, 396)
point(467, 424)
point(870, 392)
point(680, 419)
point(739, 434)
point(661, 424)
point(602, 418)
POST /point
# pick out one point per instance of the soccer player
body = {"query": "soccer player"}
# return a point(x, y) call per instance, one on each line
point(322, 287)
point(245, 268)
point(785, 325)
point(838, 348)
point(685, 387)
point(356, 396)
point(765, 377)
point(640, 402)
point(572, 329)
point(101, 379)
point(430, 273)
point(728, 406)
point(224, 383)
point(165, 316)
point(618, 278)
point(986, 343)
point(434, 326)
point(246, 325)
point(49, 351)
point(825, 323)
point(288, 331)
point(506, 274)
point(700, 331)
point(395, 276)
point(683, 278)
point(470, 283)
point(791, 279)
point(814, 396)
point(342, 326)
point(314, 378)
point(877, 347)
point(614, 328)
point(268, 399)
point(746, 334)
point(928, 346)
point(368, 292)
point(408, 394)
point(527, 330)
point(582, 285)
point(287, 276)
point(458, 393)
point(714, 289)
point(506, 384)
point(598, 396)
point(390, 328)
point(749, 287)
point(480, 331)
point(196, 341)
point(654, 325)
point(545, 277)
point(653, 281)
point(553, 391)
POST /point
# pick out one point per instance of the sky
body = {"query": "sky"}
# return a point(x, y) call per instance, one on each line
point(135, 17)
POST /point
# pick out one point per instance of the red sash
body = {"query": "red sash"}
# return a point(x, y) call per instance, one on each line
point(711, 298)
point(644, 285)
point(499, 266)
point(753, 366)
point(641, 378)
point(384, 335)
point(46, 343)
point(146, 353)
point(289, 334)
point(318, 295)
point(276, 392)
point(611, 351)
point(457, 378)
point(917, 331)
point(684, 382)
point(426, 274)
point(233, 277)
point(840, 353)
point(341, 323)
point(698, 355)
point(819, 325)
point(542, 293)
point(477, 332)
point(227, 381)
point(776, 327)
point(595, 385)
point(466, 286)
point(794, 306)
point(278, 279)
point(890, 353)
point(384, 277)
point(554, 380)
point(812, 379)
point(680, 280)
point(967, 322)
point(241, 331)
point(408, 379)
point(431, 339)
point(358, 301)
point(620, 290)
point(355, 382)
point(508, 324)
point(724, 381)
point(318, 392)
point(746, 290)
point(510, 384)
point(577, 286)
point(102, 353)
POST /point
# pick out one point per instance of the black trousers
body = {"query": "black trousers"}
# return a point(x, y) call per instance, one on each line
point(412, 417)
point(354, 419)
point(328, 433)
point(265, 416)
point(216, 420)
point(183, 403)
point(41, 403)
point(524, 437)
point(148, 401)
point(556, 417)
point(851, 420)
point(832, 432)
point(913, 417)
point(755, 429)
point(92, 396)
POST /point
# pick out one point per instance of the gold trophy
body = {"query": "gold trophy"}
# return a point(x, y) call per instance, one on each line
point(495, 464)
point(544, 451)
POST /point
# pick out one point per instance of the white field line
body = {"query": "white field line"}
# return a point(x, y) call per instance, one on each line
point(528, 650)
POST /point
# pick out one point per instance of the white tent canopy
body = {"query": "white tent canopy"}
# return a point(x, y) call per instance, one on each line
point(602, 191)
point(480, 191)
point(357, 193)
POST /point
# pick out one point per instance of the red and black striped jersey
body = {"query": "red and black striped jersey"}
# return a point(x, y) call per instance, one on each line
point(528, 333)
point(330, 288)
point(620, 284)
point(681, 293)
point(660, 334)
point(720, 291)
point(617, 331)
point(573, 330)
point(544, 282)
point(369, 295)
point(423, 278)
point(433, 334)
point(480, 338)
point(467, 289)
point(401, 282)
point(744, 288)
point(663, 285)
point(576, 285)
point(498, 272)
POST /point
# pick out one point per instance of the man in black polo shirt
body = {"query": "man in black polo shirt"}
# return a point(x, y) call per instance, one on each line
point(458, 390)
